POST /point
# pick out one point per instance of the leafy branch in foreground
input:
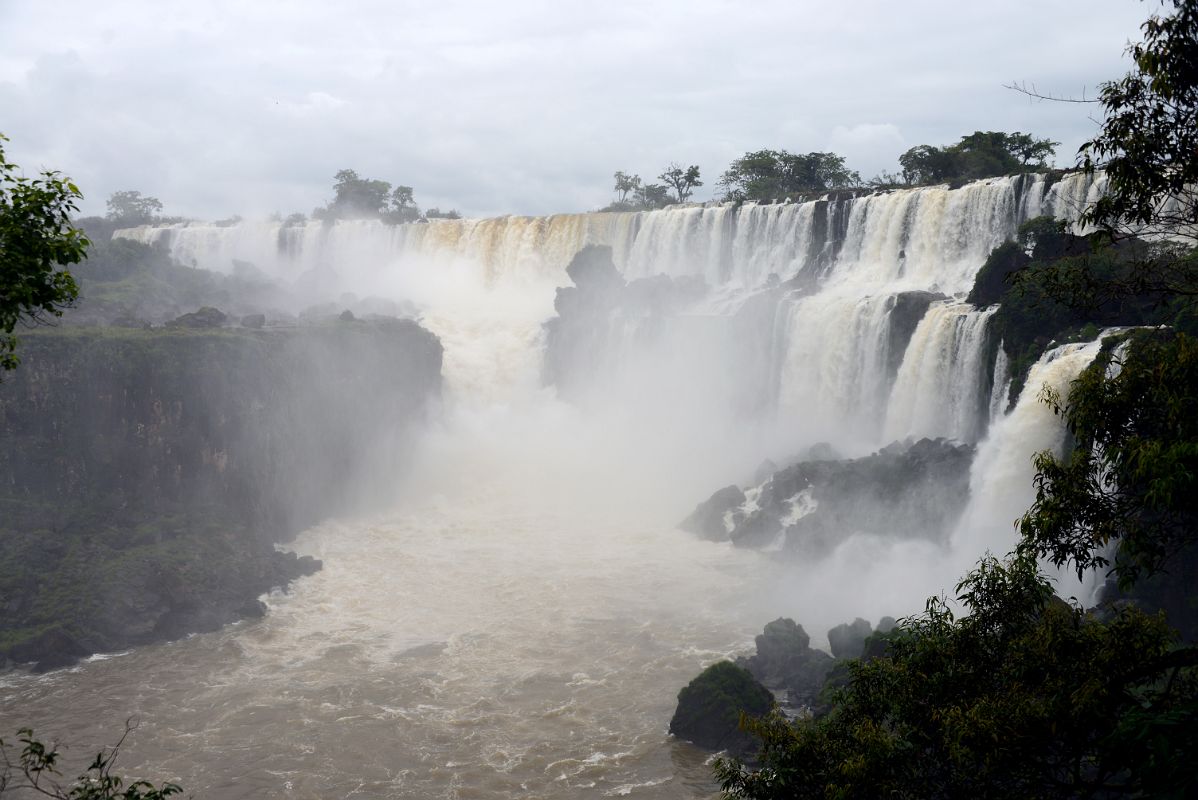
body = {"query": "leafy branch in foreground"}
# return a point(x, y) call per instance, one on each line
point(30, 765)
point(36, 240)
point(1025, 697)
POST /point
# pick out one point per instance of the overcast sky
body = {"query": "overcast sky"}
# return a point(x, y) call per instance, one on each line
point(527, 106)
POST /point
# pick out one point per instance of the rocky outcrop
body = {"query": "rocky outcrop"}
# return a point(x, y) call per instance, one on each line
point(601, 314)
point(145, 475)
point(787, 664)
point(905, 490)
point(710, 706)
point(847, 640)
point(206, 317)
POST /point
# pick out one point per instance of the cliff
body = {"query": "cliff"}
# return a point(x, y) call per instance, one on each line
point(145, 475)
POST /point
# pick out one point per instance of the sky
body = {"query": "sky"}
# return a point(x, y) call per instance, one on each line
point(222, 107)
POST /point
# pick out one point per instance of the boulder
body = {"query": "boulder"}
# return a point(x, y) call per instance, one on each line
point(786, 662)
point(708, 519)
point(848, 640)
point(709, 709)
point(206, 317)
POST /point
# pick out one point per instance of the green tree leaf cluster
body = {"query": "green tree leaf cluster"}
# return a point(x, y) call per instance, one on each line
point(1023, 697)
point(128, 209)
point(29, 766)
point(1148, 144)
point(37, 242)
point(981, 154)
point(355, 197)
point(769, 175)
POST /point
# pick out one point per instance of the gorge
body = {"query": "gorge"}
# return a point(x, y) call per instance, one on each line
point(602, 374)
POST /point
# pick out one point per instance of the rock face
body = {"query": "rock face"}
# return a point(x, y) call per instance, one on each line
point(848, 640)
point(600, 313)
point(786, 663)
point(145, 475)
point(709, 709)
point(906, 490)
point(206, 317)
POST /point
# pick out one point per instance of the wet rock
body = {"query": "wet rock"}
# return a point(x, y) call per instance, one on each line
point(786, 662)
point(905, 490)
point(709, 518)
point(206, 317)
point(709, 708)
point(848, 640)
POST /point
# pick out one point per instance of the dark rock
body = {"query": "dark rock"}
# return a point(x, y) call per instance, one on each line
point(152, 509)
point(253, 320)
point(708, 519)
point(592, 269)
point(49, 649)
point(822, 451)
point(848, 640)
point(905, 490)
point(206, 317)
point(786, 662)
point(907, 309)
point(709, 709)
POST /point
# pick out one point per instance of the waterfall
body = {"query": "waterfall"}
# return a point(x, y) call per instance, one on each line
point(1001, 479)
point(941, 386)
point(840, 363)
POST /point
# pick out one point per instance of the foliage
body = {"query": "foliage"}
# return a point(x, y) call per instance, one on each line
point(36, 240)
point(625, 185)
point(633, 194)
point(768, 175)
point(981, 154)
point(1132, 478)
point(1024, 697)
point(355, 197)
point(682, 181)
point(31, 766)
point(1148, 144)
point(128, 209)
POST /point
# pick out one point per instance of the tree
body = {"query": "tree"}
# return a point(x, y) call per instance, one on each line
point(29, 766)
point(1132, 478)
point(1148, 143)
point(981, 154)
point(1024, 697)
point(925, 164)
point(650, 196)
point(1130, 482)
point(768, 175)
point(130, 208)
point(682, 181)
point(37, 242)
point(355, 197)
point(402, 206)
point(625, 185)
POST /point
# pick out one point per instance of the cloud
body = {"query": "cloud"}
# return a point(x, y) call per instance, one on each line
point(522, 107)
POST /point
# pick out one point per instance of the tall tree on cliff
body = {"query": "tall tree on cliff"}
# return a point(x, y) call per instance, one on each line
point(37, 243)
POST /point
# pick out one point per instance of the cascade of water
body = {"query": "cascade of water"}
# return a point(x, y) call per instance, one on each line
point(941, 389)
point(833, 367)
point(1001, 479)
point(833, 376)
